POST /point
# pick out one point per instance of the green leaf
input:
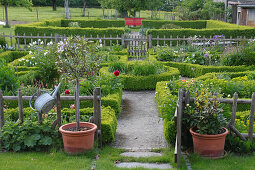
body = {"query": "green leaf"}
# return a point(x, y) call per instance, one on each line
point(30, 141)
point(16, 147)
point(46, 140)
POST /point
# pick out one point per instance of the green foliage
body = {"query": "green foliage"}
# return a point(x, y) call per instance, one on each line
point(41, 28)
point(166, 103)
point(145, 68)
point(165, 53)
point(195, 70)
point(2, 42)
point(8, 80)
point(157, 24)
point(132, 82)
point(10, 56)
point(93, 23)
point(206, 117)
point(244, 55)
point(109, 84)
point(170, 26)
point(29, 136)
point(120, 66)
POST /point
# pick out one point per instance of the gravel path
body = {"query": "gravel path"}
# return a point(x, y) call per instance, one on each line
point(139, 127)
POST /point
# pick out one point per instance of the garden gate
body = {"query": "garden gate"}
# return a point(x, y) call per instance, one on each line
point(136, 44)
point(184, 99)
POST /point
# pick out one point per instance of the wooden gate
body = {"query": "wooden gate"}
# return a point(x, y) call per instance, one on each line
point(136, 44)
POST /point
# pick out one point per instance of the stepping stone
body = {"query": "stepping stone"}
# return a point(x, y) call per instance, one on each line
point(140, 154)
point(143, 165)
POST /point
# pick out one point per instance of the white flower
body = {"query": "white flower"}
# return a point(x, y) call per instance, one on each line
point(45, 53)
point(30, 52)
point(41, 43)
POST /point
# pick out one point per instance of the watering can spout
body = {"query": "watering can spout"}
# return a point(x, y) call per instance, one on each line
point(55, 91)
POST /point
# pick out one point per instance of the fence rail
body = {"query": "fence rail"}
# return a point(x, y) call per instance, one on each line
point(184, 99)
point(21, 41)
point(96, 118)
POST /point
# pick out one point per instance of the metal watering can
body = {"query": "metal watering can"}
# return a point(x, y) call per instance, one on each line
point(45, 102)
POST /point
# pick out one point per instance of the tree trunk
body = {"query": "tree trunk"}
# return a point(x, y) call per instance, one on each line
point(84, 7)
point(54, 5)
point(6, 14)
point(77, 105)
point(66, 9)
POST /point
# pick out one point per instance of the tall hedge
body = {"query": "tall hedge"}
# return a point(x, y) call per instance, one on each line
point(93, 23)
point(10, 56)
point(156, 24)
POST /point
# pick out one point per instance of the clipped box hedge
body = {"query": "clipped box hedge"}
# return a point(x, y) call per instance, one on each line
point(112, 100)
point(10, 56)
point(166, 103)
point(212, 28)
point(196, 70)
point(94, 23)
point(68, 31)
point(108, 117)
point(132, 82)
point(156, 24)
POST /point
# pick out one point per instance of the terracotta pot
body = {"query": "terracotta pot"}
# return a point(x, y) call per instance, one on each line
point(209, 145)
point(78, 141)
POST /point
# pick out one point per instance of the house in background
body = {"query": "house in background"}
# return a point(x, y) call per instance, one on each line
point(243, 12)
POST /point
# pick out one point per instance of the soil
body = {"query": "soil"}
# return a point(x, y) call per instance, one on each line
point(139, 126)
point(72, 129)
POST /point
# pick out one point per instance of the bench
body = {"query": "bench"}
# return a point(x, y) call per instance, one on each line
point(133, 21)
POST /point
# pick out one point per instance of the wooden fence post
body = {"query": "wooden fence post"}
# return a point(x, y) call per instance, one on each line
point(58, 110)
point(234, 108)
point(97, 114)
point(20, 103)
point(250, 133)
point(1, 110)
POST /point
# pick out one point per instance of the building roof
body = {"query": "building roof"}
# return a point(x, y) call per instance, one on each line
point(243, 3)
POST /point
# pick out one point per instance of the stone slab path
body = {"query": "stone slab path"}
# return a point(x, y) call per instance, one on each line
point(139, 127)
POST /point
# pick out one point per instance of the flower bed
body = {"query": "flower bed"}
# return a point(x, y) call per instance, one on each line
point(132, 82)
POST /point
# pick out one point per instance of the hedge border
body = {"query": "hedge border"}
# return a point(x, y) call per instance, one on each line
point(149, 82)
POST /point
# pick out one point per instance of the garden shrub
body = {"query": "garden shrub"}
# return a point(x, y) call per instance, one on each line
point(170, 26)
point(93, 23)
point(132, 82)
point(195, 70)
point(8, 80)
point(10, 56)
point(157, 24)
point(108, 117)
point(30, 136)
point(3, 42)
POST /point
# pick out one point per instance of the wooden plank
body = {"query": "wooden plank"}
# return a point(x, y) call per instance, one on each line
point(237, 133)
point(58, 110)
point(234, 108)
point(111, 42)
point(20, 104)
point(63, 98)
point(179, 126)
point(1, 110)
point(97, 115)
point(252, 117)
point(175, 150)
point(246, 135)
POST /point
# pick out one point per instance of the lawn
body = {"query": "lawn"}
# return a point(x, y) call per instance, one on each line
point(23, 14)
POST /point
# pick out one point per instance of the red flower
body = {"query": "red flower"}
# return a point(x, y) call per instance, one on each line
point(183, 81)
point(116, 73)
point(67, 92)
point(72, 106)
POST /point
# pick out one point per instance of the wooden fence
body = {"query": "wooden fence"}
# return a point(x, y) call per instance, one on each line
point(96, 118)
point(21, 41)
point(184, 99)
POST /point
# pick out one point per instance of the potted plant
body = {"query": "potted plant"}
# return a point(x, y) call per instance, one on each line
point(76, 59)
point(207, 123)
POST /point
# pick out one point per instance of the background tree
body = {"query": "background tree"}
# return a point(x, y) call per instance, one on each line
point(26, 3)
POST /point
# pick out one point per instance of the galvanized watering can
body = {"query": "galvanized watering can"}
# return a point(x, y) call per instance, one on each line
point(45, 102)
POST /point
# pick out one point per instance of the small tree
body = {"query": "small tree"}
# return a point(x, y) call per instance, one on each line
point(76, 58)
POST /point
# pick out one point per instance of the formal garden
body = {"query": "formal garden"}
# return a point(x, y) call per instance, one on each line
point(211, 60)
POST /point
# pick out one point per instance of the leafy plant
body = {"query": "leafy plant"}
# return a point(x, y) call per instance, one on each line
point(121, 67)
point(170, 26)
point(146, 68)
point(206, 116)
point(165, 53)
point(29, 136)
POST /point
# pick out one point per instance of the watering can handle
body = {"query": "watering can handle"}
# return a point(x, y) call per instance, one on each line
point(33, 96)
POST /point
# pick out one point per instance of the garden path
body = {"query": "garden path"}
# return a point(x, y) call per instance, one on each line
point(139, 127)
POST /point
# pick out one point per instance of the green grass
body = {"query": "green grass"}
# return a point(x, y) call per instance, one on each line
point(230, 162)
point(49, 160)
point(23, 14)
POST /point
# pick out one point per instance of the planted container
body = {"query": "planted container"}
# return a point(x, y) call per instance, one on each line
point(78, 141)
